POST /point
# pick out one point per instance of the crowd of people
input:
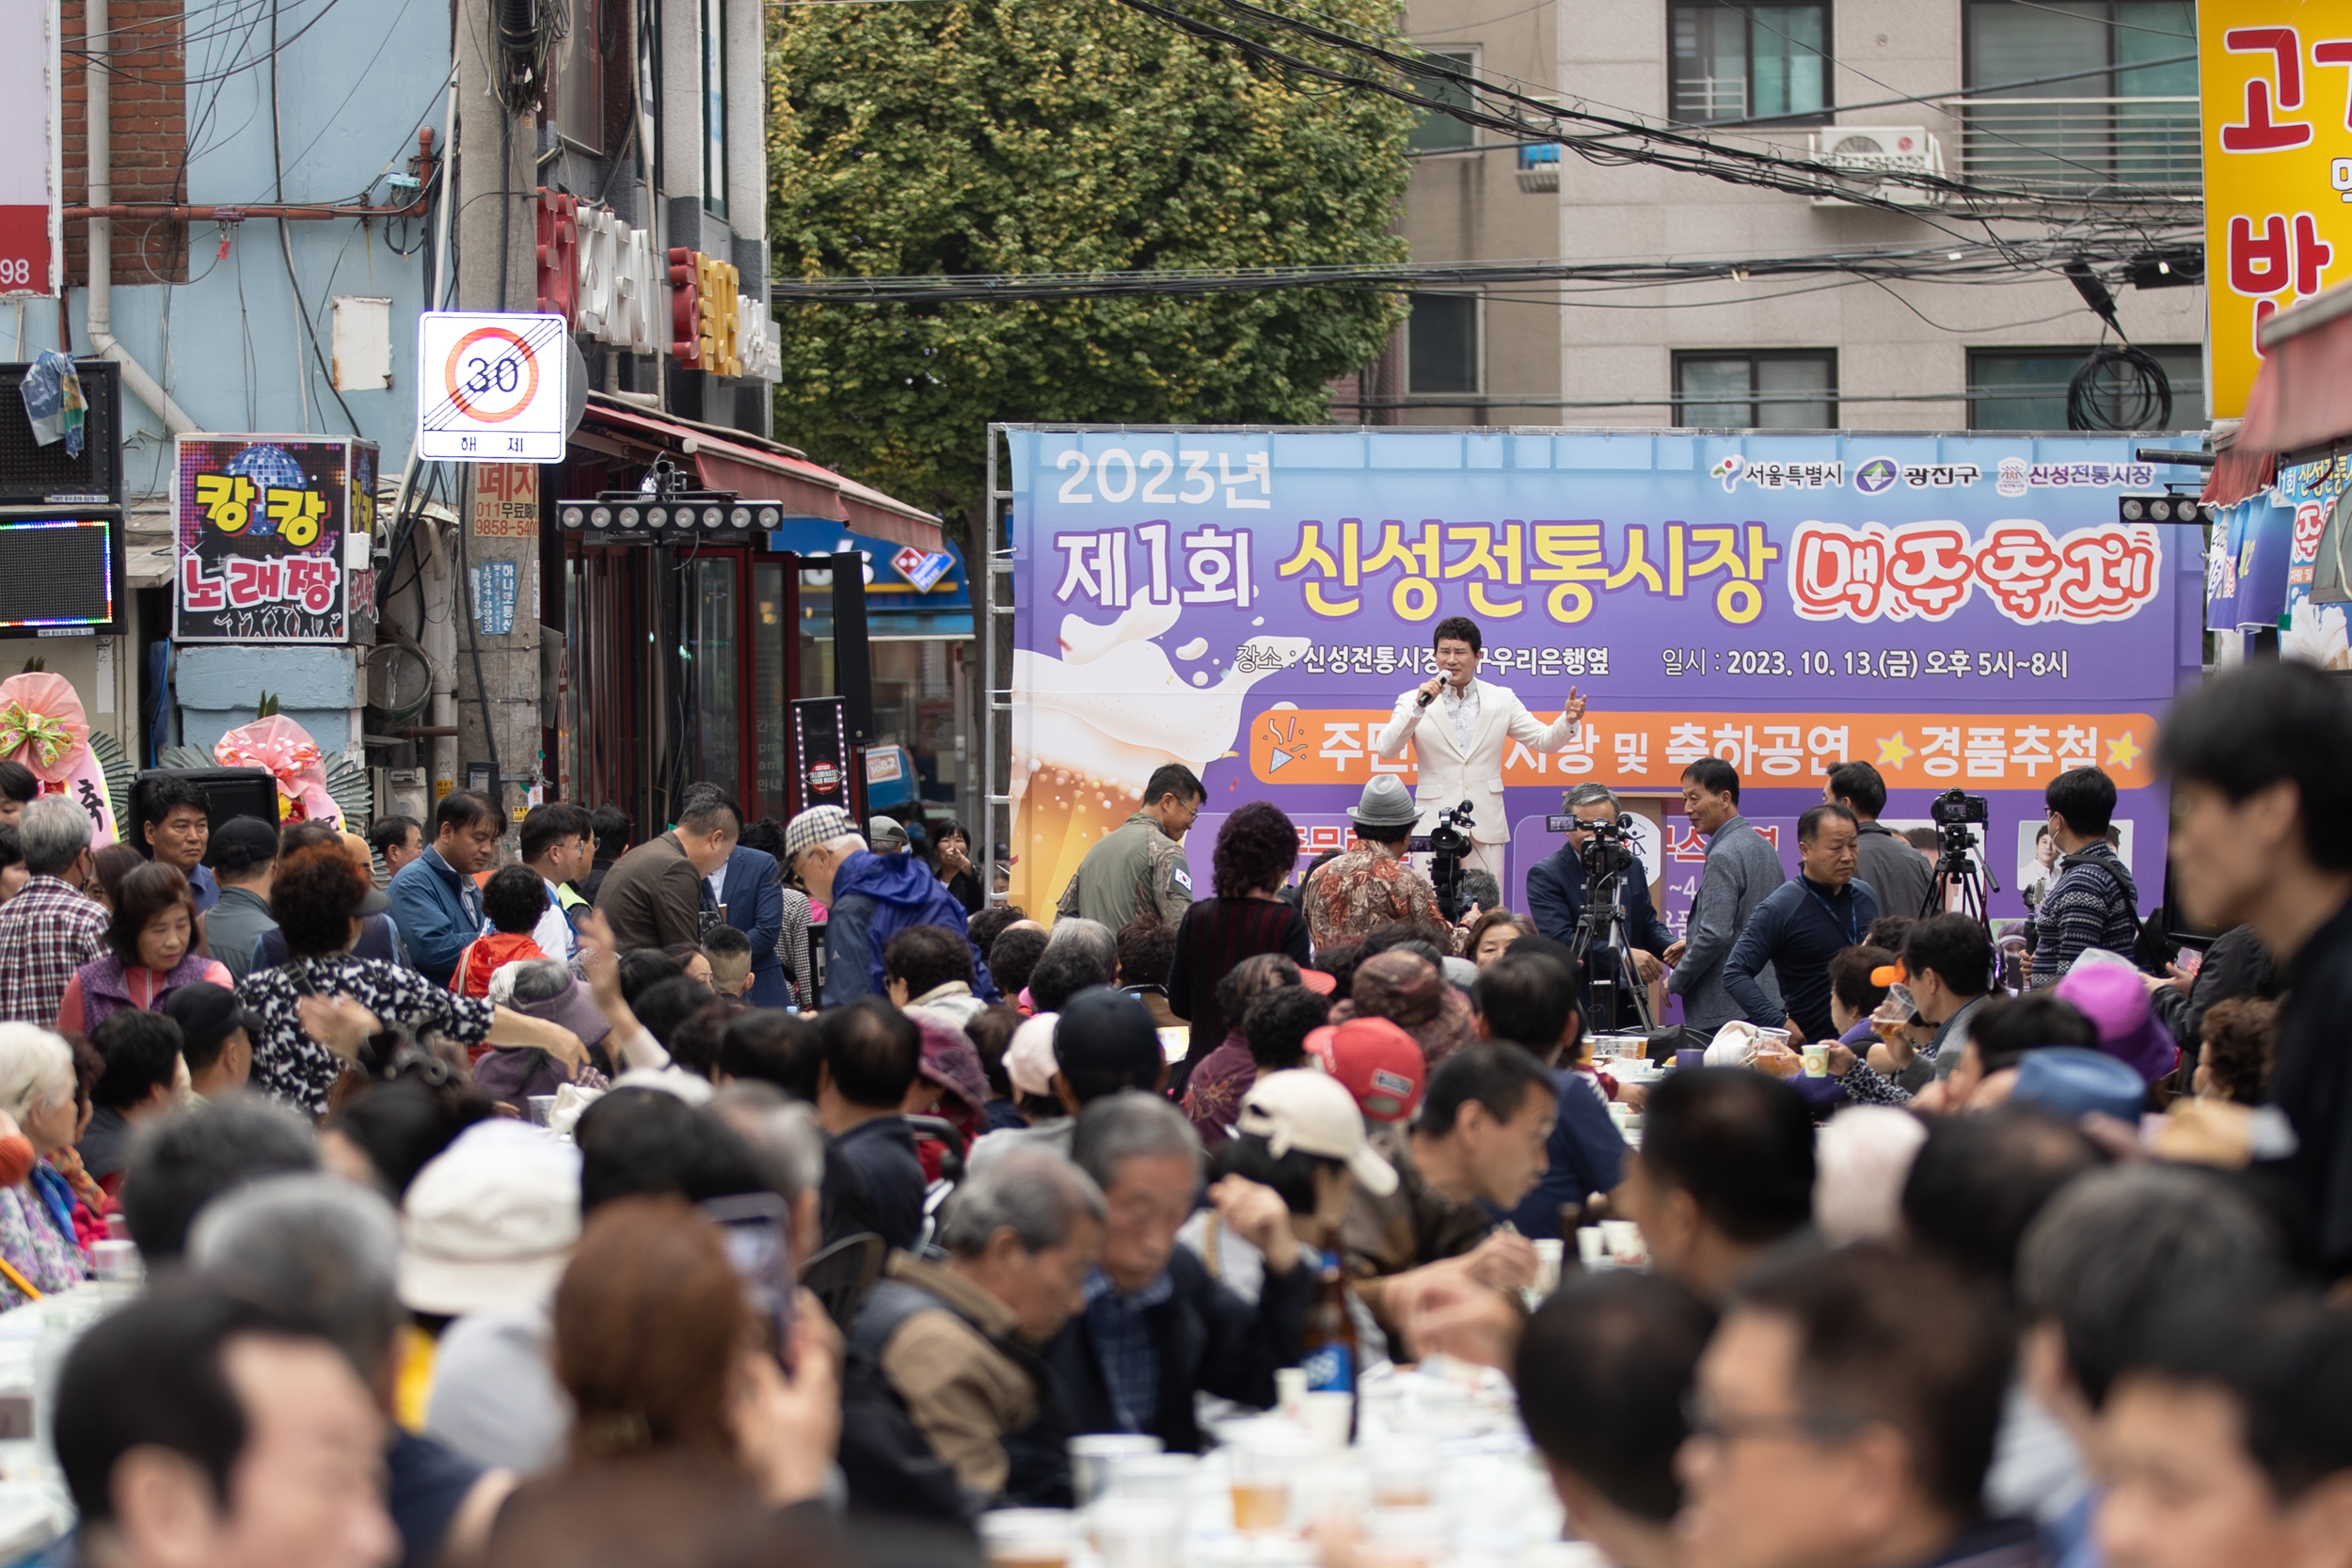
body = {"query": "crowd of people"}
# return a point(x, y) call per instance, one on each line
point(766, 1188)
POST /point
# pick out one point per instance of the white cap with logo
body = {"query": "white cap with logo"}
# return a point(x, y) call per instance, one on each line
point(1313, 1112)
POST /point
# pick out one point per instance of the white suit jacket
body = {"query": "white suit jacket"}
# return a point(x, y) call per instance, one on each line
point(1448, 776)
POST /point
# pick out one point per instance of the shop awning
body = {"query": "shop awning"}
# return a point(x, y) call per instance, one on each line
point(805, 489)
point(2302, 396)
point(2238, 472)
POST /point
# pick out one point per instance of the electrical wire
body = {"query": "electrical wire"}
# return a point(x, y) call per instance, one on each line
point(2141, 400)
point(285, 245)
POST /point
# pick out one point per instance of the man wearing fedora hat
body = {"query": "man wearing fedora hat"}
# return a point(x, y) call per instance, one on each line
point(1370, 885)
point(1458, 725)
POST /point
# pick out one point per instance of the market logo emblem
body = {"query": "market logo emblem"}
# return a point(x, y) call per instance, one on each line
point(2012, 478)
point(1877, 475)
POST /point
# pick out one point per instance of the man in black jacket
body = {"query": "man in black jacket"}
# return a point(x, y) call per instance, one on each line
point(1555, 900)
point(1156, 1328)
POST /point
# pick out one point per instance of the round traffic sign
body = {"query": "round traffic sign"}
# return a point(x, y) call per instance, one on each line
point(491, 374)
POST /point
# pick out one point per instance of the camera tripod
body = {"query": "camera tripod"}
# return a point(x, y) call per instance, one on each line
point(1602, 926)
point(1958, 868)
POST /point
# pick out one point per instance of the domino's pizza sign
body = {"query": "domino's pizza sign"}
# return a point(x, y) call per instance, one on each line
point(922, 569)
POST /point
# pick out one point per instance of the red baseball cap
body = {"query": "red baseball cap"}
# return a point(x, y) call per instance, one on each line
point(1378, 1063)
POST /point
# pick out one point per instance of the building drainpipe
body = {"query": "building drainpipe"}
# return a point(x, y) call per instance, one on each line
point(99, 101)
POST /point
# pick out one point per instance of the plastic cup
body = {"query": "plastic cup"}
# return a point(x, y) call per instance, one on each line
point(1592, 1246)
point(1030, 1537)
point(1404, 1475)
point(1093, 1459)
point(1134, 1532)
point(1268, 1460)
point(1155, 1477)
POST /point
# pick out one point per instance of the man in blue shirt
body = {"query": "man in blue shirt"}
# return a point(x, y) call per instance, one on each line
point(434, 896)
point(178, 827)
point(1801, 925)
point(1525, 997)
point(1555, 897)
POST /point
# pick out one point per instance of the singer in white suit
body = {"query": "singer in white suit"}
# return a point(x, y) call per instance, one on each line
point(1458, 725)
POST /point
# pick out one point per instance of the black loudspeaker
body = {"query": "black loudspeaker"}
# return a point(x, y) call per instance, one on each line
point(228, 792)
point(828, 767)
point(34, 475)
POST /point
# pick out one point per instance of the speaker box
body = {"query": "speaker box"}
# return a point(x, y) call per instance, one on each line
point(228, 792)
point(34, 475)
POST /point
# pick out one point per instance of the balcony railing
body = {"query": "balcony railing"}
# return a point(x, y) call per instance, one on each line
point(2079, 144)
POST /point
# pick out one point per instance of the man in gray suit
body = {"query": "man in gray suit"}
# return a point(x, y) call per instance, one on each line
point(1740, 869)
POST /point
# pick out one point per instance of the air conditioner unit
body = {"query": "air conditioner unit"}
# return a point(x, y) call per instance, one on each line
point(1865, 149)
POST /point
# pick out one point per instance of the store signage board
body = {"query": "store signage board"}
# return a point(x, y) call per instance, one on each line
point(491, 387)
point(273, 542)
point(31, 228)
point(2278, 158)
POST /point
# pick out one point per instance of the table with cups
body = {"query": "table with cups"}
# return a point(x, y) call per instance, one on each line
point(1438, 1472)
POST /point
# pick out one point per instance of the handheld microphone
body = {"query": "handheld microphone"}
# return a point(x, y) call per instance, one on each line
point(1425, 699)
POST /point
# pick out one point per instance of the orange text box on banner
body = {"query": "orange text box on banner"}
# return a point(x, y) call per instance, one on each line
point(1632, 750)
point(2274, 77)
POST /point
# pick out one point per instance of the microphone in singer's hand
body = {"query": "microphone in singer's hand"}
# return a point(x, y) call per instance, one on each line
point(1426, 698)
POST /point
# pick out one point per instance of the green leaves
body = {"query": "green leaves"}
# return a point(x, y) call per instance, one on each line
point(1028, 135)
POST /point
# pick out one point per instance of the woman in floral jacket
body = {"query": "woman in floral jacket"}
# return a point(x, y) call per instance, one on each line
point(38, 1251)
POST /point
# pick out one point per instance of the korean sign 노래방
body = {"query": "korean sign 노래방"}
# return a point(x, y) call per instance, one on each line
point(2276, 79)
point(273, 539)
point(1960, 611)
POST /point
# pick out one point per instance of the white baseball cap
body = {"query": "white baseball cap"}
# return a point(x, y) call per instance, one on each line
point(490, 1221)
point(1313, 1112)
point(1029, 1059)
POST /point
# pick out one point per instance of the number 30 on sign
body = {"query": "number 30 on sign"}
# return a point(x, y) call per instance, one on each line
point(490, 387)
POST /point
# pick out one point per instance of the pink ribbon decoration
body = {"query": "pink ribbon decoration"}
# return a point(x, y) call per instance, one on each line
point(284, 751)
point(43, 725)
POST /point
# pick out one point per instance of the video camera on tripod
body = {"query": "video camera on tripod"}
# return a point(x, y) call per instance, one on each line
point(1603, 944)
point(1449, 844)
point(1957, 814)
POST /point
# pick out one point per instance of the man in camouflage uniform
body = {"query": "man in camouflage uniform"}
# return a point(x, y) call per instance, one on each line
point(1140, 864)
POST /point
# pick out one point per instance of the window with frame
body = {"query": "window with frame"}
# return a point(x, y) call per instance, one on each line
point(1441, 345)
point(1757, 390)
point(579, 74)
point(2024, 388)
point(1730, 60)
point(714, 107)
point(1438, 132)
point(2126, 113)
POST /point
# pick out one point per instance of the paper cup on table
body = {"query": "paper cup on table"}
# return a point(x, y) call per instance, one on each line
point(1625, 1242)
point(1592, 1246)
point(1092, 1459)
point(1136, 1532)
point(1816, 1059)
point(1548, 1252)
point(1327, 1415)
point(1030, 1537)
point(1153, 1476)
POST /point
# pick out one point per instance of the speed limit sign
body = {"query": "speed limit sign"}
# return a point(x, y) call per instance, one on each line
point(490, 387)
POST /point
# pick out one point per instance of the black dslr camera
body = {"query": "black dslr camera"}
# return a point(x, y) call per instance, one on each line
point(1955, 808)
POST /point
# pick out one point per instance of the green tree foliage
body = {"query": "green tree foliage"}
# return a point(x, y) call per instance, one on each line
point(1034, 135)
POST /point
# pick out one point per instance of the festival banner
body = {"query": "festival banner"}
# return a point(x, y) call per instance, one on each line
point(1963, 611)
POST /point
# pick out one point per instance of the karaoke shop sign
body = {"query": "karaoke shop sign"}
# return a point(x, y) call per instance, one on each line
point(1963, 611)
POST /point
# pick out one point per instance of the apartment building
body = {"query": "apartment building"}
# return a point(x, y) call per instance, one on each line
point(2088, 102)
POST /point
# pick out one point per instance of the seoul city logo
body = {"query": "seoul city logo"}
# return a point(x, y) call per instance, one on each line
point(1876, 476)
point(1728, 470)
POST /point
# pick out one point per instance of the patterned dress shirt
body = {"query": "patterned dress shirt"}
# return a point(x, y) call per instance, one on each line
point(1123, 1344)
point(290, 1066)
point(47, 931)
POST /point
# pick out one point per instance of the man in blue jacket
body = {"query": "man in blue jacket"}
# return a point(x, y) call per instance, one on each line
point(1801, 925)
point(1555, 897)
point(870, 898)
point(747, 888)
point(433, 897)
